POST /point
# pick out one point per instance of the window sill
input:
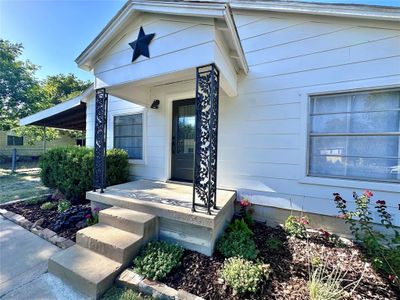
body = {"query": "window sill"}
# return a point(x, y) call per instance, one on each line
point(347, 183)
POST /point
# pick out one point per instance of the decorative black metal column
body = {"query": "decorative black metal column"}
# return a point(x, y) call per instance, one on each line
point(205, 159)
point(100, 141)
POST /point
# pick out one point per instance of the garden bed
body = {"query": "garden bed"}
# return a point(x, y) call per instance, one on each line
point(200, 275)
point(51, 218)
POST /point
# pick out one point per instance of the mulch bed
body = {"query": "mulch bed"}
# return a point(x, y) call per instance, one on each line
point(33, 212)
point(199, 274)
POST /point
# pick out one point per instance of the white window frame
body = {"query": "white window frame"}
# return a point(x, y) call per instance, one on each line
point(129, 112)
point(346, 87)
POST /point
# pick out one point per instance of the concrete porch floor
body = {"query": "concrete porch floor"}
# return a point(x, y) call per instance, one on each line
point(172, 204)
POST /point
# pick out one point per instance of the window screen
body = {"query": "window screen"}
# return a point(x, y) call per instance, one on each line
point(356, 136)
point(15, 140)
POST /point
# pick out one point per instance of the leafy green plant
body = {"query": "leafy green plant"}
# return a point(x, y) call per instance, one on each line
point(329, 284)
point(116, 293)
point(70, 170)
point(381, 249)
point(238, 241)
point(243, 275)
point(48, 205)
point(157, 259)
point(273, 244)
point(63, 205)
point(296, 226)
point(331, 238)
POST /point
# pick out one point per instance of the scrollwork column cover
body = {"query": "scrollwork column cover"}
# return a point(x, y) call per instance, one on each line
point(205, 162)
point(100, 138)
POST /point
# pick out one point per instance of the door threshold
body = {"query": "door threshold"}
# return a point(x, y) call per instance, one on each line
point(179, 182)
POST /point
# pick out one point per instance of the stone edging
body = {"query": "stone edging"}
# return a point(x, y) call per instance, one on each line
point(44, 233)
point(157, 290)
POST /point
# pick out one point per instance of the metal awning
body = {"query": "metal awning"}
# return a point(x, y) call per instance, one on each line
point(70, 114)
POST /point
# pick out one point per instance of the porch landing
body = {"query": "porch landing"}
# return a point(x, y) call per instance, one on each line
point(172, 204)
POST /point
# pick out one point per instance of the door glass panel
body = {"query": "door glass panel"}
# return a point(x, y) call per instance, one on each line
point(186, 129)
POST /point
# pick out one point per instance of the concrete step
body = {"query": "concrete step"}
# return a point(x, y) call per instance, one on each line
point(114, 243)
point(88, 272)
point(131, 221)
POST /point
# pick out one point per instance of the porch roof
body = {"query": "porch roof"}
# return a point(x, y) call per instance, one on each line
point(70, 114)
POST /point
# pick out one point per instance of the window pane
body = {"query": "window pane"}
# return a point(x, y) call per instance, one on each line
point(329, 104)
point(366, 146)
point(375, 101)
point(353, 167)
point(128, 134)
point(375, 122)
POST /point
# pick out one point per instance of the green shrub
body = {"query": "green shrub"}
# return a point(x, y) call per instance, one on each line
point(296, 226)
point(36, 200)
point(70, 170)
point(115, 293)
point(63, 205)
point(273, 244)
point(48, 205)
point(237, 241)
point(243, 275)
point(157, 259)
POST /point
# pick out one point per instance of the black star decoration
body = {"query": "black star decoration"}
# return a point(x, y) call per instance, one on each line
point(141, 45)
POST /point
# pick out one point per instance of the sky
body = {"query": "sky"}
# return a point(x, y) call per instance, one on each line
point(55, 32)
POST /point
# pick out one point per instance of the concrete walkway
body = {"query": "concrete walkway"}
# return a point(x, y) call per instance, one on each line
point(23, 266)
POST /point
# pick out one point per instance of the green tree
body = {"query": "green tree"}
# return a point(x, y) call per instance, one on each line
point(59, 88)
point(20, 92)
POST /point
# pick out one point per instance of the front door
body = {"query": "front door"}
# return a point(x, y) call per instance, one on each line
point(183, 139)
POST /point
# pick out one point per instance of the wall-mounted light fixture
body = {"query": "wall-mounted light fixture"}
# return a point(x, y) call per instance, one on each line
point(155, 104)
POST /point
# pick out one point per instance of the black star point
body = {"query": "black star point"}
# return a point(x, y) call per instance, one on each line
point(141, 45)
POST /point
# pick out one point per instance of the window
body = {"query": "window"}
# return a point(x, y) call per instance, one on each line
point(355, 136)
point(81, 142)
point(13, 140)
point(128, 134)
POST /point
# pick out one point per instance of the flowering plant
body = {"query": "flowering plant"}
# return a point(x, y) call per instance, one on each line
point(93, 217)
point(246, 211)
point(296, 226)
point(380, 248)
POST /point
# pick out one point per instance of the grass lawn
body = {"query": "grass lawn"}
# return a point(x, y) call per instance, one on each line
point(24, 183)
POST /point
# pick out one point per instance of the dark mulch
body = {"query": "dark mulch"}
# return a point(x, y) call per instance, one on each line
point(33, 212)
point(199, 274)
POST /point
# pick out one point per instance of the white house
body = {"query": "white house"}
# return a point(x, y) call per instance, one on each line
point(309, 99)
point(283, 103)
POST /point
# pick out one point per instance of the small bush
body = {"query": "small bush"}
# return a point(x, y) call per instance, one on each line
point(243, 275)
point(246, 211)
point(92, 218)
point(237, 241)
point(48, 205)
point(70, 170)
point(273, 244)
point(157, 259)
point(296, 226)
point(36, 200)
point(63, 205)
point(115, 293)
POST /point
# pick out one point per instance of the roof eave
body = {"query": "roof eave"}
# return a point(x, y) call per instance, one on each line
point(335, 10)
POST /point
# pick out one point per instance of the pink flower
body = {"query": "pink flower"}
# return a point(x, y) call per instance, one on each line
point(304, 221)
point(343, 216)
point(381, 202)
point(88, 216)
point(391, 278)
point(325, 233)
point(245, 203)
point(368, 193)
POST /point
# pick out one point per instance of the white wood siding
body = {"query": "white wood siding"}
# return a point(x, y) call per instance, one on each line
point(262, 133)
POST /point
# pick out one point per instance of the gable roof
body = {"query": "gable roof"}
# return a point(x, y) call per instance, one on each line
point(219, 11)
